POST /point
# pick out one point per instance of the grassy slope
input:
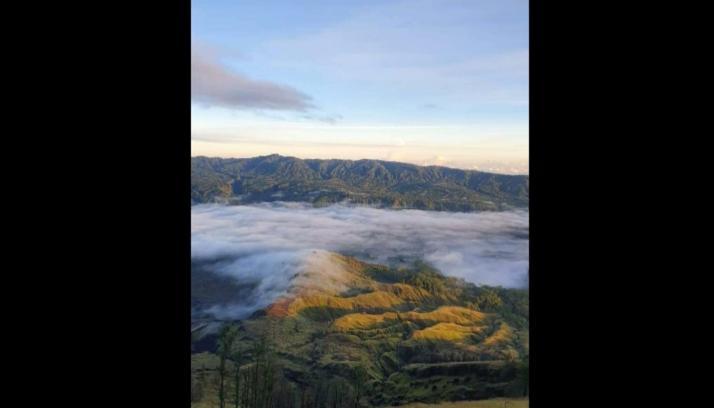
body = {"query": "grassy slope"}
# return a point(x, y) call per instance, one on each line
point(417, 345)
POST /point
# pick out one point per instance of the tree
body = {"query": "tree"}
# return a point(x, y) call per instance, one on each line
point(196, 388)
point(261, 377)
point(523, 374)
point(488, 300)
point(226, 338)
point(360, 381)
point(237, 356)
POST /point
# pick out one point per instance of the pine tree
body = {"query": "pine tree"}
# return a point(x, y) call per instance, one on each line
point(226, 338)
point(236, 392)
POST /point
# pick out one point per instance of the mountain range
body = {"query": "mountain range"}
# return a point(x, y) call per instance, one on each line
point(372, 182)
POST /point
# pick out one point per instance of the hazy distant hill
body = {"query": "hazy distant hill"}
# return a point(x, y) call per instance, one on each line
point(375, 182)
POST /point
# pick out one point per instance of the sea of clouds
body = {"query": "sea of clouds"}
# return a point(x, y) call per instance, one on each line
point(269, 243)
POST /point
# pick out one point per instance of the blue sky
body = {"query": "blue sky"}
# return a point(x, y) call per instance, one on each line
point(428, 82)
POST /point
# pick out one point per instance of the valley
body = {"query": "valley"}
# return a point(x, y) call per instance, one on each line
point(337, 283)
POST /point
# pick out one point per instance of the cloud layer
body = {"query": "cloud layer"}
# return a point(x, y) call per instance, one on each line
point(214, 84)
point(268, 244)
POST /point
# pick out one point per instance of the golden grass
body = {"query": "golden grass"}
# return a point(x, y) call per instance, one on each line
point(447, 332)
point(388, 297)
point(372, 300)
point(328, 273)
point(279, 308)
point(445, 314)
point(407, 292)
point(362, 321)
point(502, 335)
point(335, 273)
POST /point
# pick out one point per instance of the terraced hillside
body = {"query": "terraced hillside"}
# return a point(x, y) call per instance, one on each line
point(371, 335)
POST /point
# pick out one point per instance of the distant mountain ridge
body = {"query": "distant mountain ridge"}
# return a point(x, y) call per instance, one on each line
point(373, 182)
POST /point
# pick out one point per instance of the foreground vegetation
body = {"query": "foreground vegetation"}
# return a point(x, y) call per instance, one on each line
point(491, 403)
point(396, 336)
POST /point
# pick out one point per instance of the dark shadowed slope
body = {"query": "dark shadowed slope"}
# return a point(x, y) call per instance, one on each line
point(374, 182)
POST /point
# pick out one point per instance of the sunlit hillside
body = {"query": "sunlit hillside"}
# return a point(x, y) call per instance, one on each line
point(380, 335)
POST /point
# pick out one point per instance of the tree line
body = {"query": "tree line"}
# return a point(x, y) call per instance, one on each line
point(252, 377)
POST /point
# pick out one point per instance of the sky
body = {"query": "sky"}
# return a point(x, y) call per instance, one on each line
point(429, 82)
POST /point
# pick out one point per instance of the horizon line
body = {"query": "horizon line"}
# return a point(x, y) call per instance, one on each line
point(352, 160)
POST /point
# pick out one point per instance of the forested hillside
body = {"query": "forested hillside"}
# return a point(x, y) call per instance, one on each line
point(373, 182)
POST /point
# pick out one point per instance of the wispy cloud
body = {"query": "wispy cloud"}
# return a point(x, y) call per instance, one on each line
point(331, 119)
point(214, 84)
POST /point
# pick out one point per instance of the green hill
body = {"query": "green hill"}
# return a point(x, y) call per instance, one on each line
point(371, 336)
point(374, 182)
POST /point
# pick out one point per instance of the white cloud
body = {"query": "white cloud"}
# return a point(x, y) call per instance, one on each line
point(213, 84)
